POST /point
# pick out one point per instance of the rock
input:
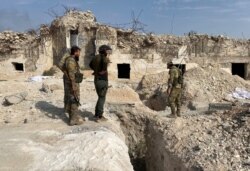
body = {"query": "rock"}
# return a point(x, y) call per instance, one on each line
point(25, 121)
point(49, 88)
point(15, 99)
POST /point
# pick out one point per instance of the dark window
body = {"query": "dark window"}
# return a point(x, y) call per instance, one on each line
point(239, 69)
point(18, 66)
point(123, 71)
point(182, 67)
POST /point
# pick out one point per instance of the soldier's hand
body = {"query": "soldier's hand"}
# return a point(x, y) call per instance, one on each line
point(102, 72)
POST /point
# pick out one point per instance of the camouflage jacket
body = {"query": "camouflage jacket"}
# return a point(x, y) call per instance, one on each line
point(173, 77)
point(72, 67)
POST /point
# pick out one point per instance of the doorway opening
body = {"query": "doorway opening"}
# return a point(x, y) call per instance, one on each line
point(73, 37)
point(182, 67)
point(123, 71)
point(239, 69)
point(18, 66)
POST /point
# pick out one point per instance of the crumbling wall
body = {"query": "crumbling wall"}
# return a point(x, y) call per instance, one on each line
point(83, 23)
point(25, 49)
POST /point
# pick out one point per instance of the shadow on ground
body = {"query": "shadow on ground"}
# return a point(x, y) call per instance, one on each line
point(55, 112)
point(52, 111)
point(86, 114)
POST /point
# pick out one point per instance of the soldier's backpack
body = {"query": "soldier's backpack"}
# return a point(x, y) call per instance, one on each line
point(61, 64)
point(62, 67)
point(180, 78)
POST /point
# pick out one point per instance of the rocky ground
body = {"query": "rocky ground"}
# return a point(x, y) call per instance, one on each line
point(35, 135)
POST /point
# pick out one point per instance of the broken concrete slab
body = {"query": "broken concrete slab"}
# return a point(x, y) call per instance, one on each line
point(15, 99)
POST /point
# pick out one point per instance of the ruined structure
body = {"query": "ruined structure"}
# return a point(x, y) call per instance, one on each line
point(134, 54)
point(26, 51)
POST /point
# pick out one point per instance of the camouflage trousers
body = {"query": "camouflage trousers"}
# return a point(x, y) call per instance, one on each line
point(175, 100)
point(70, 104)
point(101, 87)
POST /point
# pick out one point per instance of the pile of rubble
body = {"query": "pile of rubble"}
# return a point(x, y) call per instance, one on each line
point(73, 18)
point(12, 41)
point(152, 90)
point(211, 84)
point(201, 142)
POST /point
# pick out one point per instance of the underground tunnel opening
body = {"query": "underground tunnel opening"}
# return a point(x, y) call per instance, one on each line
point(239, 69)
point(18, 66)
point(123, 71)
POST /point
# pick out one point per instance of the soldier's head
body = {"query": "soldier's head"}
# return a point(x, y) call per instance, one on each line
point(169, 65)
point(75, 51)
point(105, 50)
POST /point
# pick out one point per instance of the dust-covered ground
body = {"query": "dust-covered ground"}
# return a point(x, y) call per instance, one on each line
point(35, 134)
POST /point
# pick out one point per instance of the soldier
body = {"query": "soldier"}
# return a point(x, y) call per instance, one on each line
point(61, 66)
point(100, 66)
point(174, 89)
point(72, 88)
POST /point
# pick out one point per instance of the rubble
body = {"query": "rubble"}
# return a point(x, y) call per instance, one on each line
point(211, 84)
point(50, 88)
point(204, 142)
point(11, 41)
point(15, 98)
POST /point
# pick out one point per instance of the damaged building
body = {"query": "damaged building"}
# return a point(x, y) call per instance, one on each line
point(134, 54)
point(26, 52)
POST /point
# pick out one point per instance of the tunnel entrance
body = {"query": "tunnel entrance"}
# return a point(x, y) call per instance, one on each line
point(18, 66)
point(239, 69)
point(123, 71)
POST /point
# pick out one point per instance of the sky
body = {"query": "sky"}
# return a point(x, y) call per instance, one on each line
point(178, 17)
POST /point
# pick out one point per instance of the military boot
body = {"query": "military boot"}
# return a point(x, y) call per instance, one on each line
point(75, 120)
point(101, 119)
point(173, 113)
point(178, 112)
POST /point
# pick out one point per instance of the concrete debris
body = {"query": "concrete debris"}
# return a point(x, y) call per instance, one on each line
point(210, 84)
point(50, 88)
point(15, 99)
point(212, 142)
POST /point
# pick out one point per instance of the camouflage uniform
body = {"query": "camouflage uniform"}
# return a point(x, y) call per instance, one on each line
point(176, 91)
point(61, 66)
point(70, 84)
point(98, 64)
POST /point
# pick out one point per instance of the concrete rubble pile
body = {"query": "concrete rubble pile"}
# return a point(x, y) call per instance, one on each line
point(211, 84)
point(11, 41)
point(201, 142)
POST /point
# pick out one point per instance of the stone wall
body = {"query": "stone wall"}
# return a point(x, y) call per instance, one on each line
point(33, 51)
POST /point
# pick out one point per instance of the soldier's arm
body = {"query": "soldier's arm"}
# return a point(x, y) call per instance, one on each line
point(104, 66)
point(71, 67)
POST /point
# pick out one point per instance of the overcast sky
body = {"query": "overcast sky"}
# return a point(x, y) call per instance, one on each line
point(228, 17)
